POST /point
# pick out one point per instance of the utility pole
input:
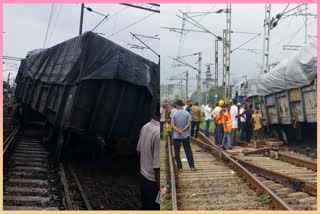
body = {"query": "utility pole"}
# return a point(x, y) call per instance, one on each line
point(81, 19)
point(226, 53)
point(187, 86)
point(306, 25)
point(216, 67)
point(199, 75)
point(266, 39)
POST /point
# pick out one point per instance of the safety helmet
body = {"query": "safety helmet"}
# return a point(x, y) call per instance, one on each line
point(221, 103)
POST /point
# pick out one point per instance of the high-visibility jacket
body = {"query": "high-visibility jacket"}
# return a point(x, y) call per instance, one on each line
point(227, 122)
point(218, 116)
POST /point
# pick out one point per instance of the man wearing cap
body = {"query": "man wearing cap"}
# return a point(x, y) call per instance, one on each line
point(219, 123)
point(181, 133)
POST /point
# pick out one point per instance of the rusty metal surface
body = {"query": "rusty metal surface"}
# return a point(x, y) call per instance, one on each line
point(172, 173)
point(277, 202)
point(298, 161)
point(257, 151)
point(308, 187)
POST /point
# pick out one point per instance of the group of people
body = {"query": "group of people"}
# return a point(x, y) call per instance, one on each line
point(181, 122)
point(231, 119)
point(245, 121)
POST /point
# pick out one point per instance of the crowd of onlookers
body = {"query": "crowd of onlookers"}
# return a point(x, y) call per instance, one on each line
point(232, 121)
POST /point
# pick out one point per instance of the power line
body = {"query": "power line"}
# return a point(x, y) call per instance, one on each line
point(111, 16)
point(49, 23)
point(102, 20)
point(54, 25)
point(130, 25)
point(245, 43)
point(143, 8)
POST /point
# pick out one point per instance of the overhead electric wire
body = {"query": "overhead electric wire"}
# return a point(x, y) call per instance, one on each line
point(104, 18)
point(49, 23)
point(131, 25)
point(54, 25)
point(245, 43)
point(139, 7)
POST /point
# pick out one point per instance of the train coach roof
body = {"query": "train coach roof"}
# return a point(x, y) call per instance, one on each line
point(89, 56)
point(297, 70)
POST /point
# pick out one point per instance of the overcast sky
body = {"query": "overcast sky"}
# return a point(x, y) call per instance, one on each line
point(25, 27)
point(245, 18)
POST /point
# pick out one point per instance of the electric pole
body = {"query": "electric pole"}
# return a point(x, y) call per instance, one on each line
point(81, 19)
point(199, 75)
point(216, 67)
point(266, 39)
point(187, 86)
point(226, 53)
point(306, 25)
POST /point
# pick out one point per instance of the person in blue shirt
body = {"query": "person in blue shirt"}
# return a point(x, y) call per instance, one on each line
point(181, 133)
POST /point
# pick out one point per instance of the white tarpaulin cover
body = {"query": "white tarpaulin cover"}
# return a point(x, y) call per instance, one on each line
point(295, 71)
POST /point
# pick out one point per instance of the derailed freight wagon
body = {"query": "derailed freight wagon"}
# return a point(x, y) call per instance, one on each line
point(287, 95)
point(90, 89)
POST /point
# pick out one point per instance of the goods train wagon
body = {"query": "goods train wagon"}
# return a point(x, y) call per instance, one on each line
point(294, 107)
point(289, 96)
point(88, 86)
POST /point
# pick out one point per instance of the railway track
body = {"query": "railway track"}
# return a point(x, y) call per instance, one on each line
point(291, 178)
point(32, 180)
point(220, 185)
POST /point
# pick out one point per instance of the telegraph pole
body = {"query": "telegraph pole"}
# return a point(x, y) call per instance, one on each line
point(226, 53)
point(306, 25)
point(266, 39)
point(199, 75)
point(187, 86)
point(81, 19)
point(216, 67)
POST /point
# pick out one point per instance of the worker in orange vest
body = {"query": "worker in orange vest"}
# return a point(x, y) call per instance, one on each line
point(219, 123)
point(227, 127)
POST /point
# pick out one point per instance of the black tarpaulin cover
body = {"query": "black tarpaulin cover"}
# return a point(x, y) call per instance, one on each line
point(88, 56)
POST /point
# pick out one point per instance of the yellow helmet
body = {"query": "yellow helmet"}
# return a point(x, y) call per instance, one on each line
point(221, 103)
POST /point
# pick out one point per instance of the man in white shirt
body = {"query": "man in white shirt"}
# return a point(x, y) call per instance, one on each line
point(173, 110)
point(214, 116)
point(208, 118)
point(162, 118)
point(242, 116)
point(234, 120)
point(149, 149)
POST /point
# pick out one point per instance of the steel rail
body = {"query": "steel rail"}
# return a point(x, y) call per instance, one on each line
point(308, 187)
point(298, 184)
point(10, 140)
point(260, 188)
point(172, 175)
point(66, 187)
point(298, 161)
point(83, 195)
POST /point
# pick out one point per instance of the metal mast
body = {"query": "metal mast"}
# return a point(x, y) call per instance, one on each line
point(187, 84)
point(266, 39)
point(199, 75)
point(216, 68)
point(306, 25)
point(226, 53)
